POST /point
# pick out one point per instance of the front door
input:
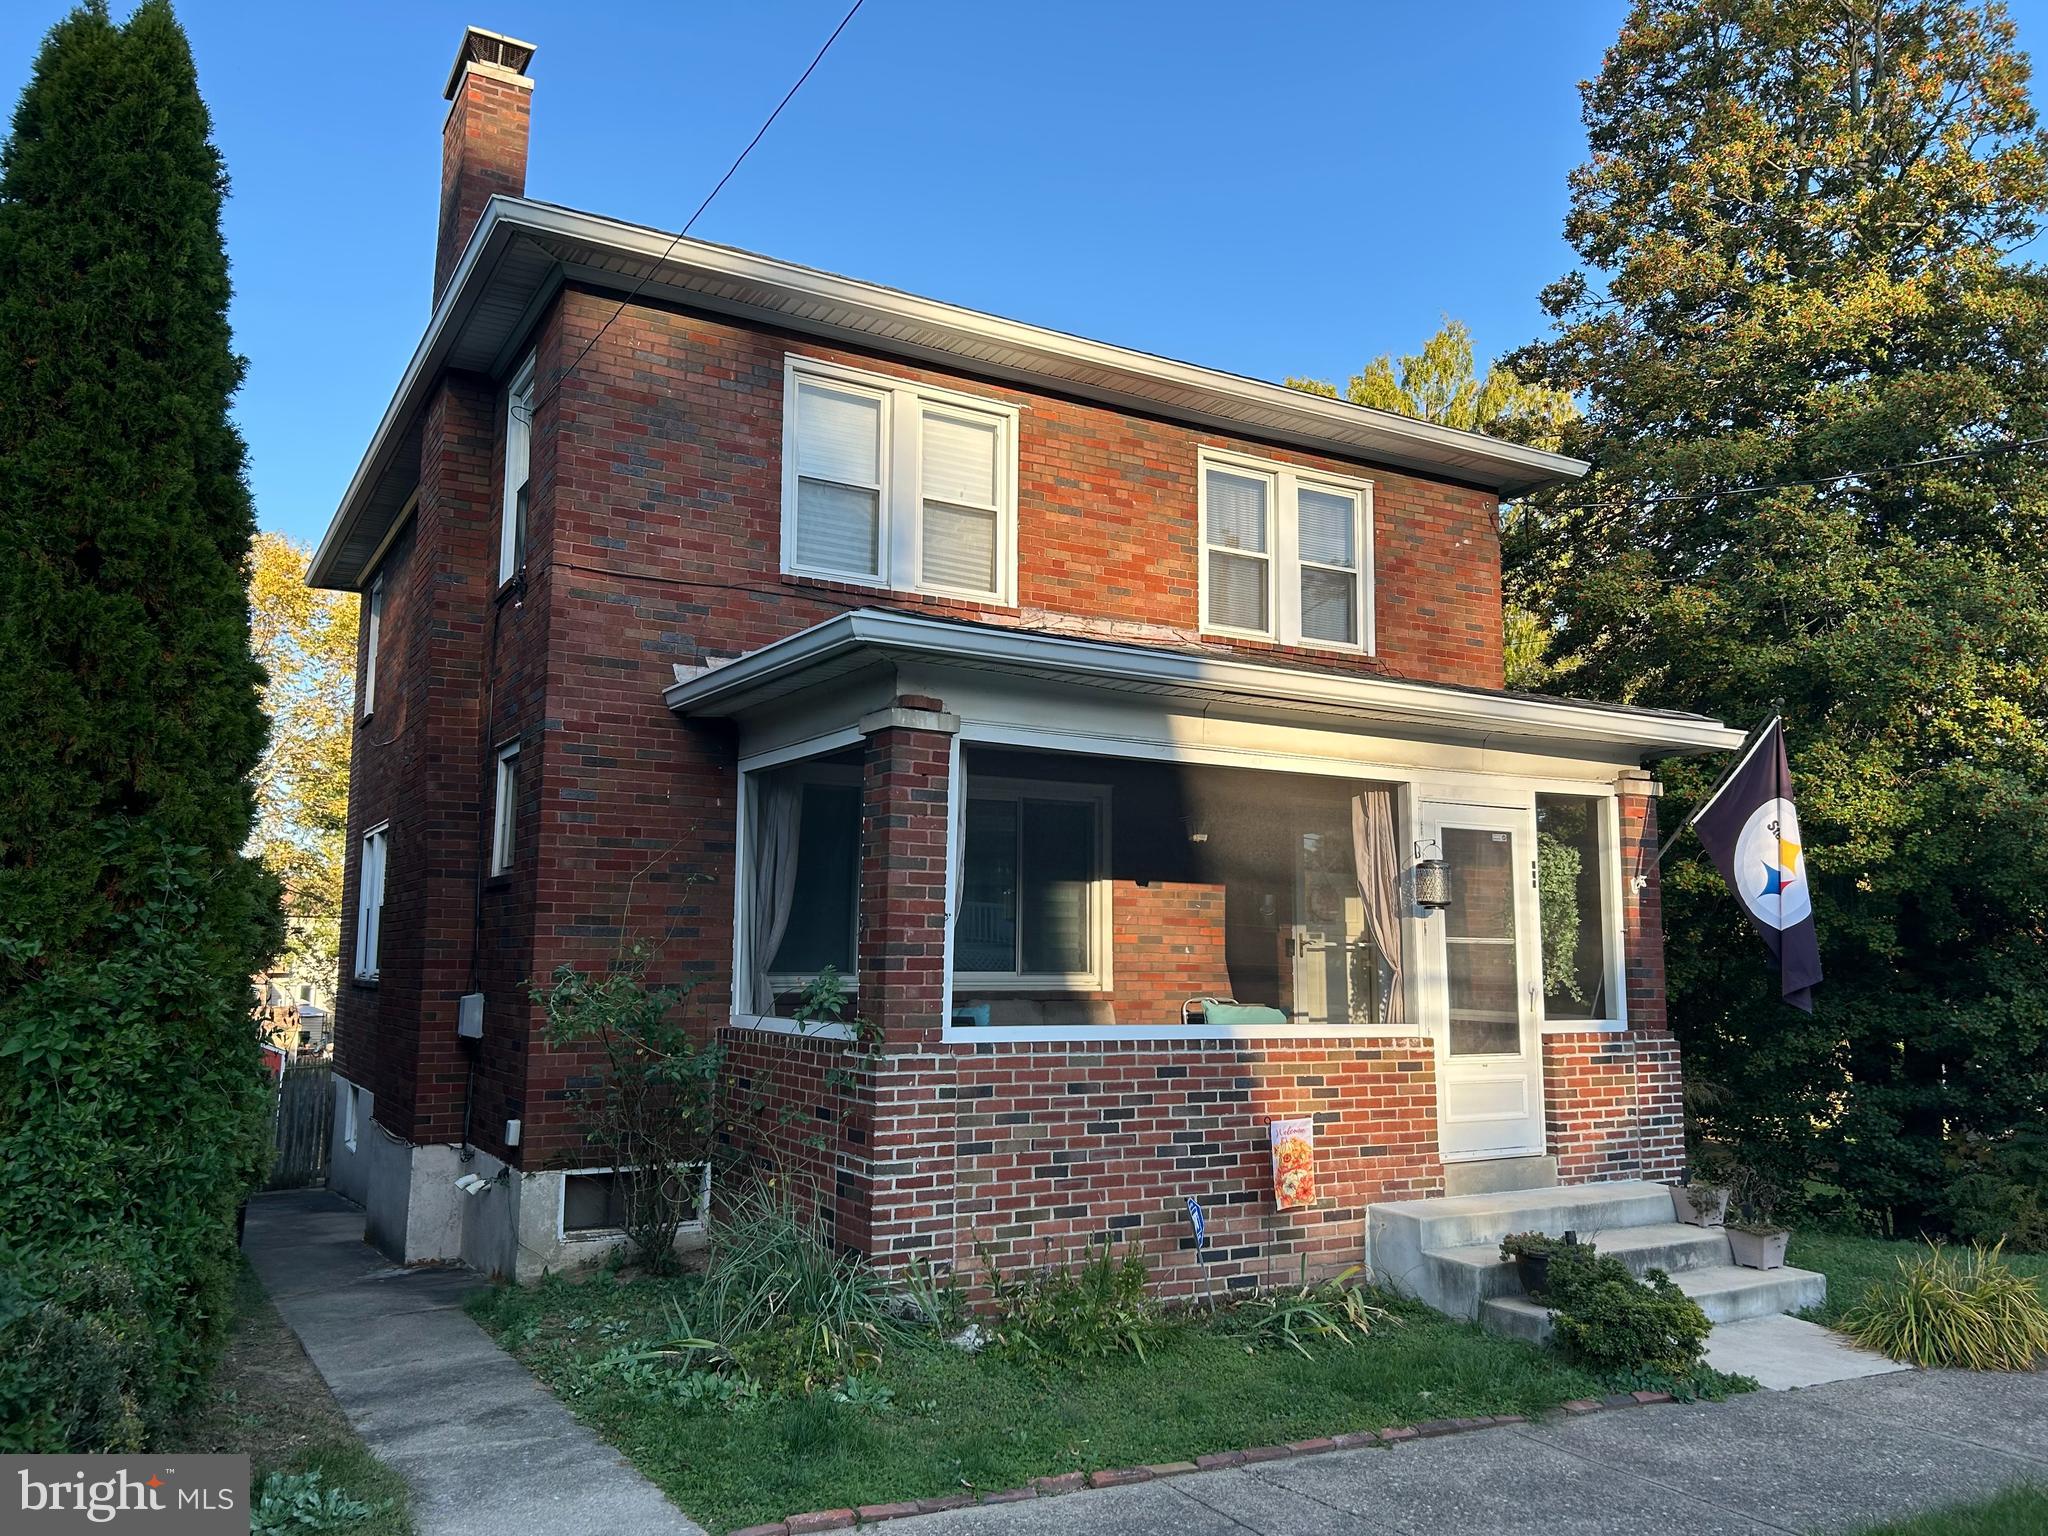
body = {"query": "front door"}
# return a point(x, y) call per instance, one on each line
point(1484, 993)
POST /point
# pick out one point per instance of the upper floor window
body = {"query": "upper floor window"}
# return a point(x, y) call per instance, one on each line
point(373, 633)
point(518, 473)
point(898, 484)
point(370, 900)
point(1286, 553)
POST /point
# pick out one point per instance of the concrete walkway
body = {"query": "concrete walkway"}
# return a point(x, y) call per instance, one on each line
point(1830, 1458)
point(485, 1449)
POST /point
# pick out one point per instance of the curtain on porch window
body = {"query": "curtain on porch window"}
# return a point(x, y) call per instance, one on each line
point(1379, 876)
point(778, 799)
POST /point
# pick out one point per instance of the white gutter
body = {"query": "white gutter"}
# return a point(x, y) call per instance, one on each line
point(792, 295)
point(726, 687)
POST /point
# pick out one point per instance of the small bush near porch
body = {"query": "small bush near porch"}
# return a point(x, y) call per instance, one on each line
point(927, 1419)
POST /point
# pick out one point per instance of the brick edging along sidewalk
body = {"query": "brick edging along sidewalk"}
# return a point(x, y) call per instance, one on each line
point(1072, 1482)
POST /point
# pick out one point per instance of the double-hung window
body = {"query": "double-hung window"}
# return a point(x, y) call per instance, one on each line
point(1286, 553)
point(370, 900)
point(373, 633)
point(518, 474)
point(505, 812)
point(896, 484)
point(1034, 901)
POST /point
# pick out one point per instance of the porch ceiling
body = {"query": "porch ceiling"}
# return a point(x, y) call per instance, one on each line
point(871, 639)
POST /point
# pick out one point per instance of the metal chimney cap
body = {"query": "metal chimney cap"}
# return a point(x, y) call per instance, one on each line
point(502, 55)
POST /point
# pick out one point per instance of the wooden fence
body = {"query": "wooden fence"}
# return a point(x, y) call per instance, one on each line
point(305, 1117)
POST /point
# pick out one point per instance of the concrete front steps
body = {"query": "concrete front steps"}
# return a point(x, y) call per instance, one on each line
point(1447, 1253)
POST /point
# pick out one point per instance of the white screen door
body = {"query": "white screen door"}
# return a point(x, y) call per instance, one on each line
point(1483, 995)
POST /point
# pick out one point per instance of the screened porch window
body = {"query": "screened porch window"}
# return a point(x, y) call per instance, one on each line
point(1572, 854)
point(802, 875)
point(1030, 903)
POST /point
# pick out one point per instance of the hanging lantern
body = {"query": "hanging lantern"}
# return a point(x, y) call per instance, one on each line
point(1432, 880)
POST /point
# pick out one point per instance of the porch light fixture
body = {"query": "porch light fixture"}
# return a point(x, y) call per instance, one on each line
point(1432, 878)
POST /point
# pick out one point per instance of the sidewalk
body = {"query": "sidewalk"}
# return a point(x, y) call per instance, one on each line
point(1830, 1458)
point(484, 1447)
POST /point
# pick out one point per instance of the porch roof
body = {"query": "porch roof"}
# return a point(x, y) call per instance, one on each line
point(871, 638)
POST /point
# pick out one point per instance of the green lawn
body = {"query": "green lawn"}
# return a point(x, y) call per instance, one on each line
point(267, 1400)
point(2017, 1512)
point(954, 1422)
point(1854, 1264)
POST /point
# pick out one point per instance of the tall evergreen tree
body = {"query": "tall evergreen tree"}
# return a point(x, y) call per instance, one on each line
point(131, 1109)
point(1796, 233)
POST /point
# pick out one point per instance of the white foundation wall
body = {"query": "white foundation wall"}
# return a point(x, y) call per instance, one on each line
point(416, 1214)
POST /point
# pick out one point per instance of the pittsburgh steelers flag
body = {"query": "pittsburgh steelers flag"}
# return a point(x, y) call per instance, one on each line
point(1751, 829)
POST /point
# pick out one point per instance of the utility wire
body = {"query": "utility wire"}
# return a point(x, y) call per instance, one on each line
point(677, 239)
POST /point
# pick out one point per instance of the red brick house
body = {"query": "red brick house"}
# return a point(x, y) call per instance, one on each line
point(1131, 735)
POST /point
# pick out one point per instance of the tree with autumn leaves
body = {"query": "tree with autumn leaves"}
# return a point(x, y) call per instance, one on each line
point(1814, 375)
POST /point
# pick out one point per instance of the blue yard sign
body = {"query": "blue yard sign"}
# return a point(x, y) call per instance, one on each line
point(1195, 1220)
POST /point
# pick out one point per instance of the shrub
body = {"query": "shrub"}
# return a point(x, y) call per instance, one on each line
point(650, 1114)
point(1999, 1192)
point(1943, 1309)
point(780, 1304)
point(1073, 1312)
point(1604, 1316)
point(1334, 1311)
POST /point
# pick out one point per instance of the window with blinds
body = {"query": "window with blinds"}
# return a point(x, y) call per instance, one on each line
point(518, 473)
point(1285, 554)
point(898, 484)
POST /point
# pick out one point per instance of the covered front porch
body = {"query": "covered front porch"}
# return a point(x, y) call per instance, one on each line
point(1109, 912)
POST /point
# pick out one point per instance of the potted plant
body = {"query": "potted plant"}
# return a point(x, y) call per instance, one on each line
point(1699, 1203)
point(1755, 1239)
point(1531, 1253)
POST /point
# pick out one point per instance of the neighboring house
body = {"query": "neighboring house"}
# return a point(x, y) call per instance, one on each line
point(298, 1010)
point(1051, 691)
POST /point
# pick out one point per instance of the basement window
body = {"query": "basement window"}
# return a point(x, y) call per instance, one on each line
point(594, 1202)
point(894, 484)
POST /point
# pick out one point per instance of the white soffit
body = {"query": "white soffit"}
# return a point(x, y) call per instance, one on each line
point(863, 640)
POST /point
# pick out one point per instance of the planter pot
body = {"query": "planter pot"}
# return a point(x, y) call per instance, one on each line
point(1699, 1208)
point(1759, 1250)
point(1533, 1270)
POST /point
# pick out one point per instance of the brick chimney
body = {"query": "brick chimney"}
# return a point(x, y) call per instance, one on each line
point(483, 144)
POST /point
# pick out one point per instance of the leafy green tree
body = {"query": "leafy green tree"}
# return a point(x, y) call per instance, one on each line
point(306, 641)
point(132, 1112)
point(1441, 384)
point(1810, 364)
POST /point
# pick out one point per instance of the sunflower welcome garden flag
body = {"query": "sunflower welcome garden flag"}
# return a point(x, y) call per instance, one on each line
point(1751, 829)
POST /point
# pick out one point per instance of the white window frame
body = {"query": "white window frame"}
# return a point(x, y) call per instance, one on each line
point(505, 809)
point(373, 631)
point(1613, 915)
point(348, 1115)
point(370, 870)
point(1284, 564)
point(519, 445)
point(900, 494)
point(1099, 977)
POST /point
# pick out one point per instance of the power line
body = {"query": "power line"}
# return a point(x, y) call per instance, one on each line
point(677, 239)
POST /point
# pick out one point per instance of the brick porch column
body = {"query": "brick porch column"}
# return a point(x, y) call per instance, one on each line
point(902, 1200)
point(1659, 1082)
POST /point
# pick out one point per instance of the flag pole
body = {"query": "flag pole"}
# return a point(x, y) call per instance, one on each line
point(1748, 749)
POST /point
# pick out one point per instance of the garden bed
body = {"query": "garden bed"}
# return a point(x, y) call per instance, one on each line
point(929, 1420)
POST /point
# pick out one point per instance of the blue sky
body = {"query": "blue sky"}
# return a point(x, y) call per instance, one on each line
point(1269, 188)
